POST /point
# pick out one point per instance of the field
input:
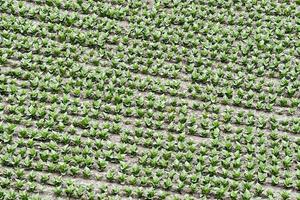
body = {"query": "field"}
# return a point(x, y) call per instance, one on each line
point(164, 99)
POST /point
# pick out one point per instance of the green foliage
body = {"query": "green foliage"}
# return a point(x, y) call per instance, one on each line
point(157, 100)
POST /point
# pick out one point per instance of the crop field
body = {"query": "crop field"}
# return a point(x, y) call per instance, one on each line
point(139, 99)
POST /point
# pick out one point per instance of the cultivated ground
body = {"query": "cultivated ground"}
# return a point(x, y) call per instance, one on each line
point(144, 99)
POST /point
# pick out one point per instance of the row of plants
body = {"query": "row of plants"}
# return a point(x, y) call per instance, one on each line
point(160, 120)
point(110, 176)
point(291, 89)
point(66, 187)
point(102, 9)
point(282, 102)
point(246, 60)
point(11, 194)
point(210, 121)
point(266, 7)
point(72, 39)
point(135, 167)
point(252, 148)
